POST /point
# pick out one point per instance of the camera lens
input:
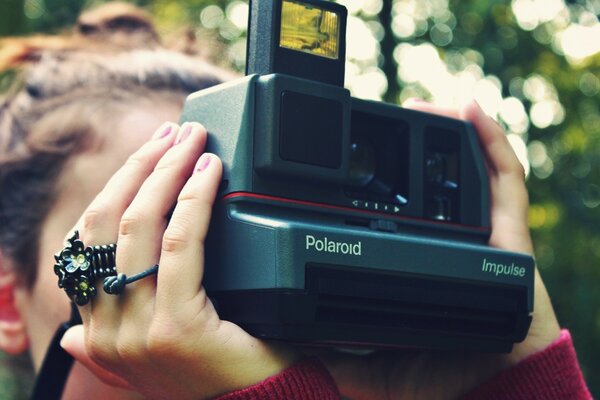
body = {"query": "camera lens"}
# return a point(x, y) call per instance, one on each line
point(379, 161)
point(363, 163)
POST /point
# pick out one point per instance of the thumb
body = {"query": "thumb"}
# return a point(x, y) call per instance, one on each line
point(73, 343)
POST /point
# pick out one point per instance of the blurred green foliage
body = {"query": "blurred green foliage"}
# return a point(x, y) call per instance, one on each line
point(564, 155)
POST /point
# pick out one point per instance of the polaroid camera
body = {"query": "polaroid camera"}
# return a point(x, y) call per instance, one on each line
point(347, 222)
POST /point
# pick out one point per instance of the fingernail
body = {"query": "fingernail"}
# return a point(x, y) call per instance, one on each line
point(184, 134)
point(203, 162)
point(161, 133)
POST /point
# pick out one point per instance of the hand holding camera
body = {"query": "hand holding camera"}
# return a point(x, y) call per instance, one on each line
point(142, 338)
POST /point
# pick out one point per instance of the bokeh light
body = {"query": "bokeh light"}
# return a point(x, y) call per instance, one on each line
point(34, 9)
point(531, 13)
point(579, 42)
point(212, 17)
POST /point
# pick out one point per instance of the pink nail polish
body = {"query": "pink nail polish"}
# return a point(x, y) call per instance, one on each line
point(203, 162)
point(165, 132)
point(184, 134)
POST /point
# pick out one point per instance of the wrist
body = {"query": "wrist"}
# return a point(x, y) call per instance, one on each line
point(544, 329)
point(280, 358)
point(271, 361)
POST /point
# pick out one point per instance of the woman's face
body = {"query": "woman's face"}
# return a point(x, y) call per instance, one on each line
point(45, 306)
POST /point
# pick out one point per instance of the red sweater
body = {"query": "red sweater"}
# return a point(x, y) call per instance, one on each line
point(552, 374)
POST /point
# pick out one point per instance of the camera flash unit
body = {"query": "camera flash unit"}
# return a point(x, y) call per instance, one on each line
point(306, 39)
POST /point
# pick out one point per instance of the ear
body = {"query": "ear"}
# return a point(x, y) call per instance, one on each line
point(13, 335)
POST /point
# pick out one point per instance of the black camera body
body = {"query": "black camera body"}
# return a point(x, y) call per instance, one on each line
point(343, 221)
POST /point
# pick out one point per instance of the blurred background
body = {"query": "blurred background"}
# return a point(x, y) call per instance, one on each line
point(534, 65)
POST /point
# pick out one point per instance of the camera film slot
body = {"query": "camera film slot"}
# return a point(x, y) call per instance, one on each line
point(349, 297)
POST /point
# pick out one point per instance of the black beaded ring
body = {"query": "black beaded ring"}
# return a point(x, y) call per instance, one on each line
point(78, 266)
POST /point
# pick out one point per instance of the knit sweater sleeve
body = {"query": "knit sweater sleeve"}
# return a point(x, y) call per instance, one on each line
point(306, 380)
point(551, 374)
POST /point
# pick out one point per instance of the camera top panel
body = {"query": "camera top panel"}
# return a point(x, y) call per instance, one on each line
point(302, 38)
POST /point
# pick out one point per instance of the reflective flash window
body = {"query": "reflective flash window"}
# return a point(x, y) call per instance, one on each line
point(309, 29)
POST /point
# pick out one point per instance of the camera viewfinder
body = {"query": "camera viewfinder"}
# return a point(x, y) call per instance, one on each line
point(310, 130)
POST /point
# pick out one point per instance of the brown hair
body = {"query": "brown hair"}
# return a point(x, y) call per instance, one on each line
point(65, 86)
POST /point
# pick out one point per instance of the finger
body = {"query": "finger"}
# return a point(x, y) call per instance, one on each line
point(509, 198)
point(108, 206)
point(99, 223)
point(499, 153)
point(182, 258)
point(145, 220)
point(73, 343)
